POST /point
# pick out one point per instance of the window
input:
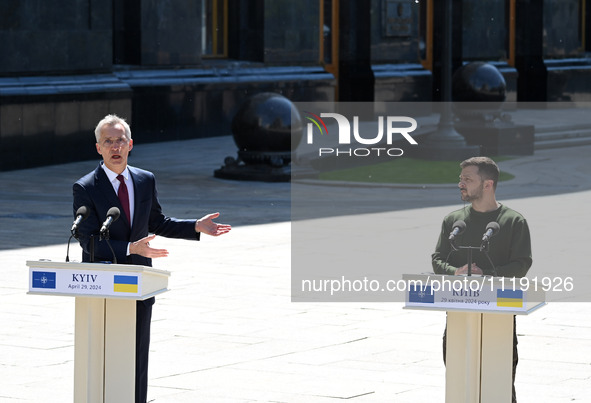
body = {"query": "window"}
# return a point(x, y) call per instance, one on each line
point(329, 34)
point(214, 35)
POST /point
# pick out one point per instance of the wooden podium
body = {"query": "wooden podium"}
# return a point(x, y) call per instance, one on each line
point(104, 342)
point(479, 329)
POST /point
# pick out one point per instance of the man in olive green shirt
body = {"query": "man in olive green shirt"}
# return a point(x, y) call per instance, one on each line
point(509, 250)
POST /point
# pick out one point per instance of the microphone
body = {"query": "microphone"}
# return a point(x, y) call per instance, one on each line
point(458, 228)
point(491, 230)
point(81, 214)
point(112, 216)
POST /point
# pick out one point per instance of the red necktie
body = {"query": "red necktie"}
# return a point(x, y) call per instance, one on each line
point(124, 198)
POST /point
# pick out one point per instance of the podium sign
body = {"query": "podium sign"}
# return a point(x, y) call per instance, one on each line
point(474, 294)
point(104, 347)
point(96, 280)
point(480, 313)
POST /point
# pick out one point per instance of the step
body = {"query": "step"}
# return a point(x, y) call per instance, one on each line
point(562, 142)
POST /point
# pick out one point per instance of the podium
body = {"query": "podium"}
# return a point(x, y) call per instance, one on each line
point(104, 341)
point(480, 314)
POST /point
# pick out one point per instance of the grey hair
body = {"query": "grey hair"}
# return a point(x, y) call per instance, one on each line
point(111, 120)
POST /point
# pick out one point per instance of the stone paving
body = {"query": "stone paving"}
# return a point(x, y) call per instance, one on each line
point(227, 330)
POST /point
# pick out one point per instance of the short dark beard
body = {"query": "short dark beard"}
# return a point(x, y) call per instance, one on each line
point(471, 198)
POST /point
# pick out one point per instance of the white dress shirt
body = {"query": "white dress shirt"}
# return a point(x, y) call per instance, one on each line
point(128, 182)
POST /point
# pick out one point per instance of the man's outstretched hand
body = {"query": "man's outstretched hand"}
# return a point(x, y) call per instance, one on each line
point(204, 225)
point(142, 247)
point(207, 226)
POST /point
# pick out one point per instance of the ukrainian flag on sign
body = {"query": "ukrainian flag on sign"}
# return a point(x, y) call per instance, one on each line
point(510, 298)
point(125, 284)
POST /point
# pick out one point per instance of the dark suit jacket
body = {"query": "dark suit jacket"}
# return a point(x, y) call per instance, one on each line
point(96, 192)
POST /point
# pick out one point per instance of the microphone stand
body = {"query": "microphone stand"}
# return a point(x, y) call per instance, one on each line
point(484, 248)
point(91, 247)
point(470, 250)
point(74, 235)
point(68, 248)
point(470, 257)
point(105, 236)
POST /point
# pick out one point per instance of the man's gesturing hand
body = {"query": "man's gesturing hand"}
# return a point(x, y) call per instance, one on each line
point(142, 247)
point(207, 226)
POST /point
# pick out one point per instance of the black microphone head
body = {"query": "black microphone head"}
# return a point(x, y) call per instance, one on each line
point(493, 226)
point(114, 212)
point(461, 225)
point(83, 211)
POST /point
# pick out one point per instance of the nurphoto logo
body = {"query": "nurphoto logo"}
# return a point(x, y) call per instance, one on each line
point(391, 127)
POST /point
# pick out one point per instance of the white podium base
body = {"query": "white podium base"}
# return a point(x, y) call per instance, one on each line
point(104, 354)
point(479, 358)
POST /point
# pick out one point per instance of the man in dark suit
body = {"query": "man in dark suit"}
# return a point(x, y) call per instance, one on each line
point(115, 184)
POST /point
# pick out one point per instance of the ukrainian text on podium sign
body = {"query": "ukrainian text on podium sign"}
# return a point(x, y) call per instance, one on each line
point(482, 294)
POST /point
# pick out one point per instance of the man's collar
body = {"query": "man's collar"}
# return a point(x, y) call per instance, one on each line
point(112, 175)
point(497, 208)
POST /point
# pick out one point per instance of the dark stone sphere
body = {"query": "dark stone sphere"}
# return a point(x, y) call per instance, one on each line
point(267, 122)
point(478, 82)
